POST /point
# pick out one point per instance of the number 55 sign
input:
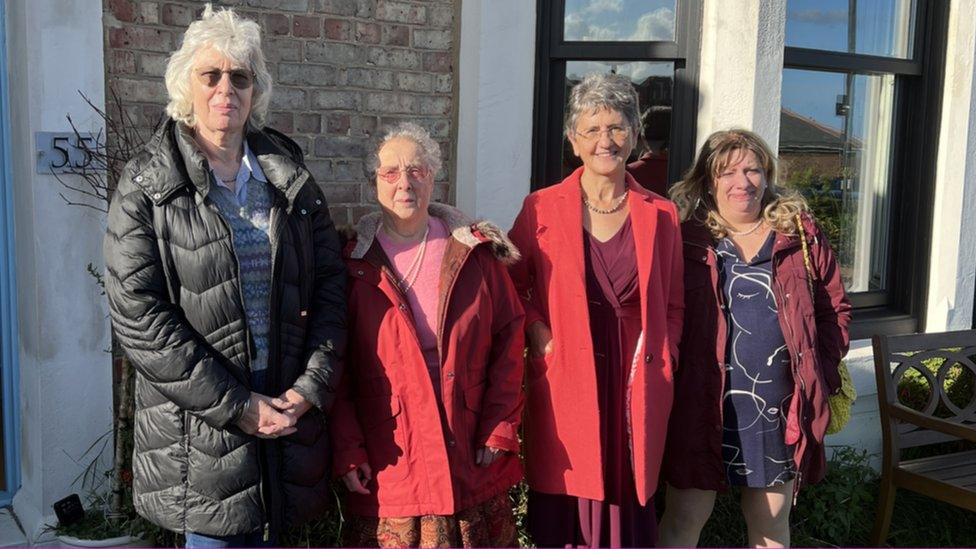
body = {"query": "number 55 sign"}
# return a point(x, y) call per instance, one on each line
point(63, 152)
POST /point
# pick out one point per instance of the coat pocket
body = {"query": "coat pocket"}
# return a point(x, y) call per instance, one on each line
point(384, 432)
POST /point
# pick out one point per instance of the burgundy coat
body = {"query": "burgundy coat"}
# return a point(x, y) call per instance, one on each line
point(816, 337)
point(562, 418)
point(422, 454)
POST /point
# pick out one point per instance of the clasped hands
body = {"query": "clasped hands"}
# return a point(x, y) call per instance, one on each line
point(268, 417)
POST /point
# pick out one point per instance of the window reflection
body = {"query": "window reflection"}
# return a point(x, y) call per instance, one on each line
point(871, 27)
point(654, 82)
point(619, 20)
point(835, 149)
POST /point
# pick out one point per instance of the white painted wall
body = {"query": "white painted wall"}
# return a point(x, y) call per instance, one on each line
point(55, 49)
point(953, 265)
point(741, 69)
point(496, 77)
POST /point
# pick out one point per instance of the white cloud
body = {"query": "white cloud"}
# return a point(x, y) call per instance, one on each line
point(601, 6)
point(819, 17)
point(655, 25)
point(576, 27)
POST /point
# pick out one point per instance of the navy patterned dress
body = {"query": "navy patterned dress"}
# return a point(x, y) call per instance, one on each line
point(758, 381)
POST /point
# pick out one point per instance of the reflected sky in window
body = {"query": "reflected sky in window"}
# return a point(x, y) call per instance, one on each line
point(619, 20)
point(882, 27)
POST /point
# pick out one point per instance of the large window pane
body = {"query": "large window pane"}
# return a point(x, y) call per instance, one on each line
point(619, 20)
point(654, 82)
point(835, 148)
point(871, 27)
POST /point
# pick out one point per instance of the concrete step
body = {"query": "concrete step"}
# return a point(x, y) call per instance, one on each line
point(10, 532)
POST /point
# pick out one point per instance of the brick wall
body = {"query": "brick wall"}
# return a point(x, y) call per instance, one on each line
point(342, 69)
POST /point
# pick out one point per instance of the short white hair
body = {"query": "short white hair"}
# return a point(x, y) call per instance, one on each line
point(603, 91)
point(430, 150)
point(232, 36)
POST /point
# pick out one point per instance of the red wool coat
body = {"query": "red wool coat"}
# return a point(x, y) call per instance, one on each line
point(422, 455)
point(816, 336)
point(562, 425)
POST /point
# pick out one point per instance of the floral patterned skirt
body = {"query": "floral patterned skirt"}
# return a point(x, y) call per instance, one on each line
point(488, 524)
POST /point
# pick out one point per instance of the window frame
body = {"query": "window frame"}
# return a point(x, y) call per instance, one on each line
point(919, 83)
point(553, 53)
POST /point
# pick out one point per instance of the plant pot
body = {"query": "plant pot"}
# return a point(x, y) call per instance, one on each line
point(121, 541)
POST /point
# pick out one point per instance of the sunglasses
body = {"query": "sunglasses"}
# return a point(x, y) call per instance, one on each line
point(392, 175)
point(239, 78)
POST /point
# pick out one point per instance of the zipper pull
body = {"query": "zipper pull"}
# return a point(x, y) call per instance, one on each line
point(267, 531)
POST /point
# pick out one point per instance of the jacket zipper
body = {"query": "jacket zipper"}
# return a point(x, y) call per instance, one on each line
point(247, 347)
point(795, 359)
point(276, 221)
point(720, 297)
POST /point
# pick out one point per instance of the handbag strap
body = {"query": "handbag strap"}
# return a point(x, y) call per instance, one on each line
point(806, 254)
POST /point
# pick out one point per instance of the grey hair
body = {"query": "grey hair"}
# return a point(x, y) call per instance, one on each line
point(235, 37)
point(603, 91)
point(408, 130)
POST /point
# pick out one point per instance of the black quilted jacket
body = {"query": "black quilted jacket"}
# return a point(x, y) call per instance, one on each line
point(173, 285)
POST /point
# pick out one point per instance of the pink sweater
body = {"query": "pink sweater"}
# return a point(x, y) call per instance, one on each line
point(423, 294)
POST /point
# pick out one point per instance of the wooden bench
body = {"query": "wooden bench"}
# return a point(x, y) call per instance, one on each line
point(948, 477)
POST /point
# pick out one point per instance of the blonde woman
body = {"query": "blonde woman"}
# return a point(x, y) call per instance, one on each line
point(759, 353)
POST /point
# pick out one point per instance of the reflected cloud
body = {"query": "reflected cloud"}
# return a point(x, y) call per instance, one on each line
point(656, 25)
point(819, 17)
point(599, 6)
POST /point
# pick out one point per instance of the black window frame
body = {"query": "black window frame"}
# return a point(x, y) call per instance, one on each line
point(919, 83)
point(552, 54)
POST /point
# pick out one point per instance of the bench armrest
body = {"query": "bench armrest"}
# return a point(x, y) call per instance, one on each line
point(908, 415)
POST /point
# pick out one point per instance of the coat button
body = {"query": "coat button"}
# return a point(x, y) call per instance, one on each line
point(360, 272)
point(318, 202)
point(402, 307)
point(450, 375)
point(138, 179)
point(303, 211)
point(451, 443)
point(648, 358)
point(157, 196)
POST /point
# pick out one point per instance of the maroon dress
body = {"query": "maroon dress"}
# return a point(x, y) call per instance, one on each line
point(558, 520)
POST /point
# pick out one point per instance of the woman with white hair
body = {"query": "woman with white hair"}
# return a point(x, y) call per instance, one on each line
point(227, 293)
point(600, 280)
point(425, 426)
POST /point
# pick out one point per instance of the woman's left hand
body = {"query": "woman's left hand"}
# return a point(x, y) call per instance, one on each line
point(486, 455)
point(291, 403)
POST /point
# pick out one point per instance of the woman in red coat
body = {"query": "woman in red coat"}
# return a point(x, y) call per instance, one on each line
point(759, 353)
point(600, 280)
point(425, 424)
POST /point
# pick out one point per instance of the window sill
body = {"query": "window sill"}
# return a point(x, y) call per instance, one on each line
point(881, 320)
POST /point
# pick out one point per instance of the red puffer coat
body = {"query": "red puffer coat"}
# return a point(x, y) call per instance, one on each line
point(816, 336)
point(422, 454)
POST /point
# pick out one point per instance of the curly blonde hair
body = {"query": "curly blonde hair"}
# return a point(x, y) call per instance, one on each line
point(722, 149)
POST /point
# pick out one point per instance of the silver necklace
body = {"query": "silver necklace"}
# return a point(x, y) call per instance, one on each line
point(617, 205)
point(748, 232)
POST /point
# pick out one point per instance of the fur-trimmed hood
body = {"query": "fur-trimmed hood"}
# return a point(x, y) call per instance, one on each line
point(463, 229)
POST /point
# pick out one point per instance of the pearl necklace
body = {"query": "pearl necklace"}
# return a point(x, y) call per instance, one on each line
point(617, 205)
point(748, 232)
point(413, 270)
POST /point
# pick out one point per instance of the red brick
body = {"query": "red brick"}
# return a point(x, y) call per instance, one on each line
point(337, 123)
point(367, 33)
point(278, 24)
point(282, 121)
point(396, 35)
point(306, 26)
point(440, 61)
point(176, 16)
point(140, 38)
point(123, 10)
point(337, 29)
point(121, 62)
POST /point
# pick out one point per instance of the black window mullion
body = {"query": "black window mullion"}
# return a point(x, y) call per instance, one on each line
point(804, 58)
point(617, 51)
